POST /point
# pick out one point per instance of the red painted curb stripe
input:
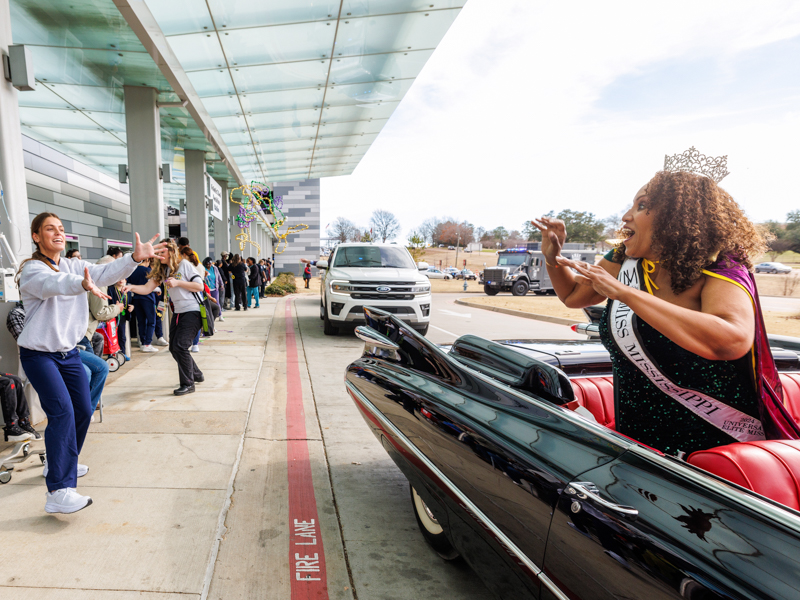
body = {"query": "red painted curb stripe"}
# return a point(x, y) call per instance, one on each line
point(306, 554)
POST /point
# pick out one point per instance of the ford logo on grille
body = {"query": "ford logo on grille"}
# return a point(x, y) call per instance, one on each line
point(383, 289)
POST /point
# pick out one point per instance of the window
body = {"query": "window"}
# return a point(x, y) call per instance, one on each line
point(511, 260)
point(374, 256)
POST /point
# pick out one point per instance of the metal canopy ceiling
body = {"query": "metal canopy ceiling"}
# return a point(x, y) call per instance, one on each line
point(285, 89)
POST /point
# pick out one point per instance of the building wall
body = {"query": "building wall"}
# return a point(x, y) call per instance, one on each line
point(301, 201)
point(91, 204)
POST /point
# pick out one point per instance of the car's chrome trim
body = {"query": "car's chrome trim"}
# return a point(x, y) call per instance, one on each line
point(754, 501)
point(554, 589)
point(473, 509)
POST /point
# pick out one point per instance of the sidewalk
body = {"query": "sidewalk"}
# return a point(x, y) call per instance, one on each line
point(249, 488)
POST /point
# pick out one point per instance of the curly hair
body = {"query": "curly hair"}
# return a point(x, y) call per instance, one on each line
point(696, 224)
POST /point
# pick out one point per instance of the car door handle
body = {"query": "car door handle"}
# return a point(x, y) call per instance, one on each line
point(586, 490)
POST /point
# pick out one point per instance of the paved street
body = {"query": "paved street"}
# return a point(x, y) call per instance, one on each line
point(780, 304)
point(264, 482)
point(450, 320)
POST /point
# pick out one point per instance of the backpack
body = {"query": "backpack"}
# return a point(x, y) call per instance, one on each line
point(206, 313)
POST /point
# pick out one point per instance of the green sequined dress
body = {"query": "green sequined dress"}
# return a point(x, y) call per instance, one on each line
point(648, 415)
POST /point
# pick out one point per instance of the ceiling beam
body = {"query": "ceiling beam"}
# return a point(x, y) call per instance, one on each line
point(144, 25)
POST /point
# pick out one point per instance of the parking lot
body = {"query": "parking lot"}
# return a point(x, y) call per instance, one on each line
point(266, 483)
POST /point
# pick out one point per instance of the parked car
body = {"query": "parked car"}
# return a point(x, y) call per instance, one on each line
point(383, 275)
point(452, 271)
point(451, 247)
point(436, 274)
point(466, 274)
point(513, 463)
point(772, 267)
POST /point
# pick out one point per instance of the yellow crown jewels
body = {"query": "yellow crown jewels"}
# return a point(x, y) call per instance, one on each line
point(692, 161)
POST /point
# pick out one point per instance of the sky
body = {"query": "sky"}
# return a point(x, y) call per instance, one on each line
point(529, 106)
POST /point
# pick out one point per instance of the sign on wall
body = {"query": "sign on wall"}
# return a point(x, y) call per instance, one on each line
point(214, 195)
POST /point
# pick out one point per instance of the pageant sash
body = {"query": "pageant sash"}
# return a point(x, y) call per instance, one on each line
point(735, 423)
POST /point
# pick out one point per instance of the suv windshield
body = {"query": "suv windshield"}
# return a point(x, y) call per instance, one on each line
point(505, 260)
point(374, 256)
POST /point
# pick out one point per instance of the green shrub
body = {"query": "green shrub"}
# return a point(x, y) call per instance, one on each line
point(285, 282)
point(273, 289)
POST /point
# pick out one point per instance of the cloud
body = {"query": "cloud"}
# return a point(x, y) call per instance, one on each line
point(531, 106)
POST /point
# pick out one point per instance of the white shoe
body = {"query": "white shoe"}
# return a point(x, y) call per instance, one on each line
point(195, 348)
point(161, 342)
point(65, 500)
point(221, 318)
point(82, 469)
point(149, 348)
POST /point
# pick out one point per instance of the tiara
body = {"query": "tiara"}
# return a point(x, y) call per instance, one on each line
point(692, 161)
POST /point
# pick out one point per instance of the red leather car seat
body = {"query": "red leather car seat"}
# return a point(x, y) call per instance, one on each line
point(791, 393)
point(770, 468)
point(596, 394)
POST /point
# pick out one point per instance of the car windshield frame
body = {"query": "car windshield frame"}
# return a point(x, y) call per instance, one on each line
point(503, 260)
point(374, 257)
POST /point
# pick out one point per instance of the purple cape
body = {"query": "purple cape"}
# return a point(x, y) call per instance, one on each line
point(776, 421)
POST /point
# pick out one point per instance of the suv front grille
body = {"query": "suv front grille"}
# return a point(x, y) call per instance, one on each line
point(358, 296)
point(494, 275)
point(374, 283)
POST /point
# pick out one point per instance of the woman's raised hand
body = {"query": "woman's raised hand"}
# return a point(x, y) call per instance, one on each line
point(553, 235)
point(603, 282)
point(145, 250)
point(90, 287)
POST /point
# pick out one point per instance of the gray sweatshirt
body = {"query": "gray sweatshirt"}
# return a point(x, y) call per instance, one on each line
point(55, 301)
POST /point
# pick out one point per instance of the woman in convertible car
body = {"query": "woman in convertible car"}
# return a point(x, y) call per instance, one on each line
point(683, 325)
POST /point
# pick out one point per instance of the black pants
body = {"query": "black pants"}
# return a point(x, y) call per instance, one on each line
point(182, 329)
point(12, 397)
point(240, 291)
point(122, 335)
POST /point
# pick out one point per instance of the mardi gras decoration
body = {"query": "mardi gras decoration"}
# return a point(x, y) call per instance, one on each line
point(244, 238)
point(257, 202)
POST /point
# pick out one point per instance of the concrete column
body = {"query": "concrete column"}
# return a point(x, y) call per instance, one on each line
point(222, 240)
point(15, 194)
point(12, 166)
point(143, 131)
point(234, 227)
point(196, 209)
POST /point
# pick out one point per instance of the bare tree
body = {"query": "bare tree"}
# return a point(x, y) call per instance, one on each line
point(385, 225)
point(429, 228)
point(343, 229)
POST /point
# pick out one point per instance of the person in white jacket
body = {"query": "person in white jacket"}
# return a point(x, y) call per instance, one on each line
point(53, 290)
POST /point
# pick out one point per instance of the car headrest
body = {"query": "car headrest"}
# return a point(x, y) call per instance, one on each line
point(513, 368)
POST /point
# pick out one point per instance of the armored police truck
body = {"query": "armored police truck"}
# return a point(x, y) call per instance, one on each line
point(520, 270)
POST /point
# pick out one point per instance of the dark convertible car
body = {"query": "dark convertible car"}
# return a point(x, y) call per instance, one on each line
point(515, 466)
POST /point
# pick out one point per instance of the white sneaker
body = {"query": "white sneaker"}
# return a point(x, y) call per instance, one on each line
point(161, 342)
point(195, 348)
point(221, 318)
point(65, 500)
point(149, 348)
point(82, 469)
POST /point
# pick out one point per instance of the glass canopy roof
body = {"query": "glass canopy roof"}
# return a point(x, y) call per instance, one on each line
point(297, 89)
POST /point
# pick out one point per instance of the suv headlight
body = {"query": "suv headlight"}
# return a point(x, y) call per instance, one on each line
point(340, 286)
point(421, 288)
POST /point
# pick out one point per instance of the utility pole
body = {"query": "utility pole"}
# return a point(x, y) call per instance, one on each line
point(458, 241)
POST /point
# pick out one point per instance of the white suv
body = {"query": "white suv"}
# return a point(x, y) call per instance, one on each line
point(380, 275)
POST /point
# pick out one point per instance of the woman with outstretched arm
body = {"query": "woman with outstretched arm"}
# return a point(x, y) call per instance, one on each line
point(53, 290)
